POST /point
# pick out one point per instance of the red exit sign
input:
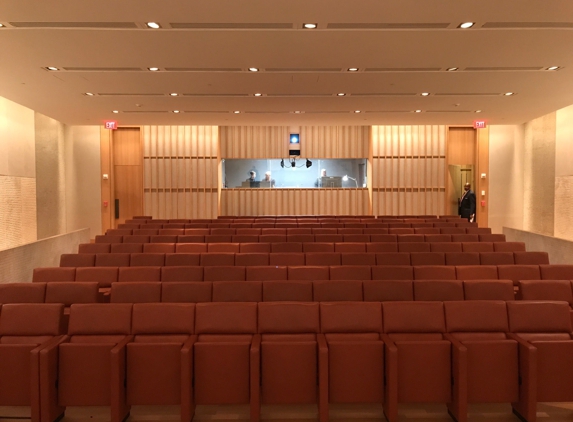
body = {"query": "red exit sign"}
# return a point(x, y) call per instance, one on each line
point(480, 124)
point(110, 124)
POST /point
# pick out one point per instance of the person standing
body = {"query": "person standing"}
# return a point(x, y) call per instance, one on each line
point(467, 204)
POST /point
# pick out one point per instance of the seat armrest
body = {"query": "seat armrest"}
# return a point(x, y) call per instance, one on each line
point(187, 395)
point(459, 405)
point(526, 408)
point(255, 378)
point(322, 377)
point(48, 368)
point(119, 407)
point(390, 378)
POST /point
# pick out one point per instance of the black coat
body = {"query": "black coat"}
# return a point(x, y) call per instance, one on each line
point(467, 205)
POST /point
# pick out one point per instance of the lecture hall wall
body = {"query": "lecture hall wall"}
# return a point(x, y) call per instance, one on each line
point(50, 181)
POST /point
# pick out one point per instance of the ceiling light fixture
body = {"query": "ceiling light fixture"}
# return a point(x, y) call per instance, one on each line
point(153, 25)
point(341, 94)
point(466, 25)
point(508, 94)
point(1, 25)
point(52, 68)
point(258, 94)
point(236, 111)
point(357, 111)
point(309, 25)
point(452, 69)
point(115, 111)
point(253, 69)
point(425, 94)
point(553, 68)
point(418, 111)
point(174, 94)
point(352, 69)
point(153, 69)
point(478, 111)
point(297, 112)
point(176, 111)
point(89, 94)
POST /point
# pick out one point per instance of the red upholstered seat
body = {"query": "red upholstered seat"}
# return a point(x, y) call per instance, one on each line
point(291, 290)
point(23, 292)
point(223, 247)
point(191, 247)
point(255, 247)
point(488, 290)
point(388, 290)
point(309, 273)
point(94, 248)
point(556, 272)
point(282, 247)
point(477, 246)
point(393, 272)
point(439, 290)
point(77, 260)
point(427, 258)
point(337, 290)
point(496, 258)
point(186, 291)
point(251, 259)
point(237, 291)
point(47, 274)
point(103, 275)
point(351, 272)
point(557, 290)
point(182, 259)
point(266, 273)
point(434, 272)
point(136, 292)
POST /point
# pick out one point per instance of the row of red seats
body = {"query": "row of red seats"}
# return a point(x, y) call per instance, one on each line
point(298, 226)
point(107, 275)
point(294, 258)
point(451, 353)
point(303, 238)
point(246, 218)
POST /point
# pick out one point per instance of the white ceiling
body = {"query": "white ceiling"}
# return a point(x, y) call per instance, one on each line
point(205, 47)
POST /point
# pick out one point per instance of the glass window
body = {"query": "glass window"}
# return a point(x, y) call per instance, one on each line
point(294, 173)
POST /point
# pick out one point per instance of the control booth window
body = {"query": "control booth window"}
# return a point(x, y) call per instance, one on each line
point(294, 173)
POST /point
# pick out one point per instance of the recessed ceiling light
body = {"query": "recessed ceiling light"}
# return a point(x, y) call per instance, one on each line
point(115, 111)
point(357, 111)
point(236, 111)
point(341, 94)
point(425, 94)
point(174, 94)
point(153, 25)
point(352, 69)
point(297, 112)
point(176, 111)
point(310, 25)
point(478, 111)
point(258, 94)
point(253, 69)
point(52, 68)
point(418, 111)
point(90, 94)
point(553, 68)
point(1, 25)
point(452, 69)
point(466, 25)
point(153, 69)
point(507, 94)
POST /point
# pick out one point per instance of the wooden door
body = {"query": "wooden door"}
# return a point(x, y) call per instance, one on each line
point(128, 174)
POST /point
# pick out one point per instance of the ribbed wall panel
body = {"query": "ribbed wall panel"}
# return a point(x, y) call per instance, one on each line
point(254, 141)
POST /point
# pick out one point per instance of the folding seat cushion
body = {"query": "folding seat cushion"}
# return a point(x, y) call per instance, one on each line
point(383, 238)
point(25, 330)
point(272, 238)
point(492, 238)
point(237, 291)
point(223, 247)
point(77, 260)
point(556, 272)
point(439, 290)
point(326, 247)
point(379, 247)
point(217, 258)
point(226, 354)
point(462, 258)
point(160, 359)
point(393, 272)
point(355, 352)
point(413, 247)
point(289, 353)
point(94, 247)
point(108, 239)
point(309, 273)
point(287, 291)
point(190, 247)
point(351, 272)
point(23, 292)
point(387, 290)
point(358, 258)
point(445, 247)
point(159, 248)
point(222, 273)
point(68, 293)
point(518, 272)
point(531, 258)
point(418, 356)
point(251, 259)
point(345, 247)
point(47, 274)
point(508, 247)
point(182, 259)
point(556, 290)
point(393, 258)
point(136, 239)
point(267, 273)
point(139, 274)
point(136, 292)
point(186, 292)
point(125, 248)
point(439, 238)
point(337, 290)
point(112, 259)
point(287, 258)
point(300, 238)
point(255, 247)
point(488, 290)
point(486, 360)
point(322, 258)
point(94, 351)
point(434, 272)
point(427, 258)
point(103, 275)
point(544, 332)
point(218, 238)
point(477, 246)
point(465, 238)
point(496, 258)
point(476, 272)
point(282, 247)
point(162, 238)
point(328, 238)
point(147, 260)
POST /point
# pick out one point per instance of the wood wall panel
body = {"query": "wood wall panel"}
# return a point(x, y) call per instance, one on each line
point(408, 170)
point(294, 201)
point(254, 141)
point(180, 171)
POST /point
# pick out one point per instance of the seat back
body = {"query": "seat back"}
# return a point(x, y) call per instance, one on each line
point(558, 290)
point(288, 318)
point(226, 318)
point(265, 273)
point(94, 319)
point(413, 317)
point(186, 292)
point(442, 290)
point(136, 292)
point(388, 290)
point(488, 290)
point(22, 292)
point(31, 320)
point(540, 320)
point(47, 274)
point(163, 318)
point(337, 290)
point(350, 317)
point(237, 291)
point(476, 316)
point(284, 291)
point(69, 293)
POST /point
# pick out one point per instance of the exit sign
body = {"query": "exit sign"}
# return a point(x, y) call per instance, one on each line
point(480, 124)
point(110, 124)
